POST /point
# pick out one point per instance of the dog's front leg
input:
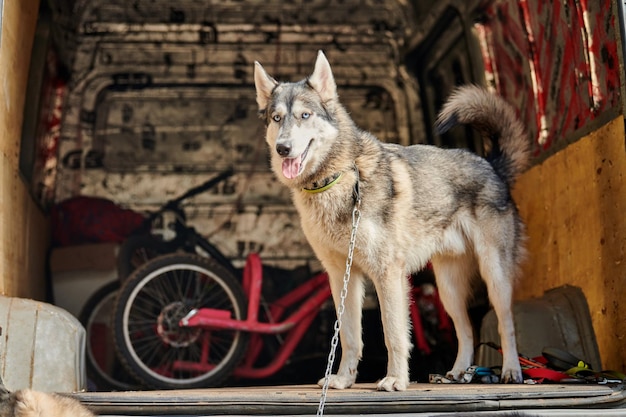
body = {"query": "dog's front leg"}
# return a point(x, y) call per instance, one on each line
point(350, 331)
point(393, 293)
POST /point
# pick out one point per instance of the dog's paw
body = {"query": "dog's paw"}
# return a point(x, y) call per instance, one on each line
point(455, 374)
point(392, 383)
point(337, 382)
point(512, 376)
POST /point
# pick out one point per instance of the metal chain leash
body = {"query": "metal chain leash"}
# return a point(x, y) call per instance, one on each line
point(356, 217)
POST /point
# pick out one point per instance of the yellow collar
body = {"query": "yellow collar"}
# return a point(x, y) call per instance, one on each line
point(327, 183)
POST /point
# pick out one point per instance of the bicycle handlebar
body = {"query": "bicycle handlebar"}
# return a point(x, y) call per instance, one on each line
point(172, 204)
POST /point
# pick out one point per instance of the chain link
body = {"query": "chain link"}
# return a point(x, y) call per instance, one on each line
point(356, 218)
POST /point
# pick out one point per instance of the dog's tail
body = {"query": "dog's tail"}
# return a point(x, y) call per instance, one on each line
point(494, 118)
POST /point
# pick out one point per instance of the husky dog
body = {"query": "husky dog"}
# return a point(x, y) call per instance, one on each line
point(417, 203)
point(29, 403)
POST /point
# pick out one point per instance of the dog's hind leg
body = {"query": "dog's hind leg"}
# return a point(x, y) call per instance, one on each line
point(350, 331)
point(393, 296)
point(498, 275)
point(454, 275)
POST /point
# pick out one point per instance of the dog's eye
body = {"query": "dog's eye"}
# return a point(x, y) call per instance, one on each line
point(276, 118)
point(306, 115)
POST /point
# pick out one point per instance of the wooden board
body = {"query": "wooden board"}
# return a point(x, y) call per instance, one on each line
point(574, 204)
point(363, 399)
point(23, 227)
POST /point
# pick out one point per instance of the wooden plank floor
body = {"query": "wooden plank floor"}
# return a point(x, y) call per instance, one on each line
point(361, 399)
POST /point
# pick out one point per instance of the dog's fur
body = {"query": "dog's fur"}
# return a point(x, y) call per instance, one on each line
point(30, 403)
point(418, 203)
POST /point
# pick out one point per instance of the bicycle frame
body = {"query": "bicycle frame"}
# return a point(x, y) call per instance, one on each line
point(314, 292)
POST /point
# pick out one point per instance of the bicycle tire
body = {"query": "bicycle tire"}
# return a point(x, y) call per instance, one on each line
point(136, 250)
point(97, 311)
point(148, 308)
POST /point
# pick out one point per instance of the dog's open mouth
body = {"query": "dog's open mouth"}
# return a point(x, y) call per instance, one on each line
point(292, 167)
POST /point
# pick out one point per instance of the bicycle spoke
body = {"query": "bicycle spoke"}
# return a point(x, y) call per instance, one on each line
point(160, 351)
point(146, 349)
point(144, 312)
point(145, 337)
point(213, 298)
point(163, 285)
point(154, 355)
point(156, 293)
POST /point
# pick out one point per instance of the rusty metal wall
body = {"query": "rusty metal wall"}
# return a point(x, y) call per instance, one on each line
point(161, 97)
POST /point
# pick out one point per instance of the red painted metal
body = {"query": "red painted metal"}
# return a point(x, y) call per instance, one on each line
point(304, 301)
point(291, 341)
point(252, 282)
point(314, 292)
point(213, 319)
point(418, 329)
point(430, 296)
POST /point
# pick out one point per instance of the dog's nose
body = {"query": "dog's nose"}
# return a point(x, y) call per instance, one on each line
point(282, 149)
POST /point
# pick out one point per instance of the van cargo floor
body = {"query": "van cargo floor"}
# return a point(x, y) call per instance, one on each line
point(363, 399)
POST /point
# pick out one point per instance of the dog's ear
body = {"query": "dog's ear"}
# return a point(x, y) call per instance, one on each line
point(264, 86)
point(322, 79)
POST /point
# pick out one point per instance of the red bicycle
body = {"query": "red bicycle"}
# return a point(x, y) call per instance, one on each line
point(185, 321)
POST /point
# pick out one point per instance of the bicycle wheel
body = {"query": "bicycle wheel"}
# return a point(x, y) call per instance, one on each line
point(139, 249)
point(103, 368)
point(151, 303)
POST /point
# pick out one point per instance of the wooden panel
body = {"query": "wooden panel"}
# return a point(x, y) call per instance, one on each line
point(574, 205)
point(23, 229)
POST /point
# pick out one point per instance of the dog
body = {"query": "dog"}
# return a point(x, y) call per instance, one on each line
point(417, 203)
point(31, 403)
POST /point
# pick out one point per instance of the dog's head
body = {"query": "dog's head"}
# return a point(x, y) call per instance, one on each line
point(301, 126)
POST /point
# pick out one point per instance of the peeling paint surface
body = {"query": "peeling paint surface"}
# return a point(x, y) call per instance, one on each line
point(557, 63)
point(161, 98)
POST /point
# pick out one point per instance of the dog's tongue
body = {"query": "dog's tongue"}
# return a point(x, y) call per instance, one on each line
point(291, 167)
